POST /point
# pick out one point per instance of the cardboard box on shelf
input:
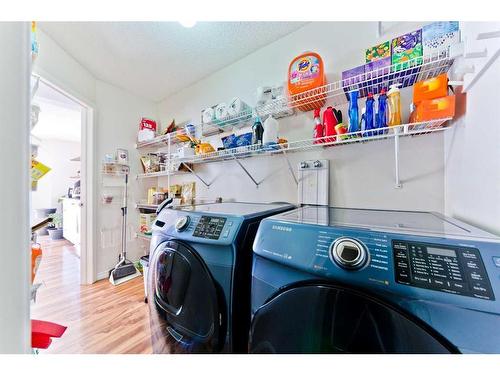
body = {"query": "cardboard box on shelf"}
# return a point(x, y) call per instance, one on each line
point(146, 222)
point(407, 50)
point(439, 36)
point(378, 52)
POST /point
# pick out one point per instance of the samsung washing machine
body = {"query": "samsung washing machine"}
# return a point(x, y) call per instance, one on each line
point(199, 276)
point(338, 280)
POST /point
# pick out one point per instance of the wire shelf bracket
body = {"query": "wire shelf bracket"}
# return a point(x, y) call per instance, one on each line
point(290, 167)
point(257, 183)
point(197, 175)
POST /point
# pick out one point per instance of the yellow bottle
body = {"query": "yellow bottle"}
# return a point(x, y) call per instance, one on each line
point(394, 105)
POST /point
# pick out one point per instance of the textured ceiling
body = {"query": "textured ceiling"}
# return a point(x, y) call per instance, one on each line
point(156, 59)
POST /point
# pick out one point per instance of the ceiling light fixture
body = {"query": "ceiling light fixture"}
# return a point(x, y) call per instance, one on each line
point(188, 23)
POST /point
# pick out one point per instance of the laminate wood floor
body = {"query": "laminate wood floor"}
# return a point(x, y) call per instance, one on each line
point(101, 318)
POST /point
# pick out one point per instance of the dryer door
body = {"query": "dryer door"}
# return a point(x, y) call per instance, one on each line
point(186, 307)
point(331, 319)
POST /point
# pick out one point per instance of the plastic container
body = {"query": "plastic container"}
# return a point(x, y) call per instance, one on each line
point(370, 115)
point(434, 109)
point(257, 132)
point(318, 127)
point(306, 72)
point(271, 129)
point(353, 113)
point(394, 105)
point(431, 88)
point(329, 123)
point(381, 117)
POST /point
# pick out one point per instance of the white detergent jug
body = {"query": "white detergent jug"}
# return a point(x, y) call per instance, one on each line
point(271, 128)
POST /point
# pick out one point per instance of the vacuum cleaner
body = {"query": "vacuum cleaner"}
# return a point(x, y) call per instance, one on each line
point(125, 269)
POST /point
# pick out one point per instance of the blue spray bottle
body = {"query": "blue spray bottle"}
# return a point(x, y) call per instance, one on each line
point(353, 113)
point(369, 115)
point(382, 113)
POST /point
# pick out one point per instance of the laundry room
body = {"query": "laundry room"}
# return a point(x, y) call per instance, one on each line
point(224, 185)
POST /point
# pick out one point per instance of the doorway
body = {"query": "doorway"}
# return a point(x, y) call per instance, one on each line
point(61, 150)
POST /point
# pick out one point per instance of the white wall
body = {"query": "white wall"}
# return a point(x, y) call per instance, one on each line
point(55, 154)
point(472, 154)
point(14, 195)
point(117, 117)
point(361, 175)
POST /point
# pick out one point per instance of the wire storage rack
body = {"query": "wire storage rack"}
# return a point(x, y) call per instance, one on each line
point(215, 127)
point(405, 73)
point(178, 136)
point(315, 143)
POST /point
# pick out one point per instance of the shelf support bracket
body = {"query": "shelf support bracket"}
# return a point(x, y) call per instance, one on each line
point(247, 173)
point(290, 167)
point(196, 175)
point(397, 184)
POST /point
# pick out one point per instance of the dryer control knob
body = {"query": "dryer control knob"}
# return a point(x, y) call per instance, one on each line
point(348, 253)
point(182, 223)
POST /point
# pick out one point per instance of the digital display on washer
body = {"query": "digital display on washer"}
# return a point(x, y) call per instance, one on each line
point(209, 227)
point(450, 269)
point(441, 251)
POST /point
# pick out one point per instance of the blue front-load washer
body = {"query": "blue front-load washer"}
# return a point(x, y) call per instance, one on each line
point(338, 280)
point(199, 276)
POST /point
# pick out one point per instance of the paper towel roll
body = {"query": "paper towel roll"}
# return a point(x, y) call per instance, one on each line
point(221, 112)
point(236, 107)
point(208, 115)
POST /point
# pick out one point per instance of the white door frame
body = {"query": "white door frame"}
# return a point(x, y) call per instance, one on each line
point(88, 189)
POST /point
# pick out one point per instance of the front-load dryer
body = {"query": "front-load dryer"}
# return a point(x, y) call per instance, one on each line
point(338, 280)
point(199, 276)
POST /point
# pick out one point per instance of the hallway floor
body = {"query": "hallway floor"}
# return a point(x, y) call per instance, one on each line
point(101, 318)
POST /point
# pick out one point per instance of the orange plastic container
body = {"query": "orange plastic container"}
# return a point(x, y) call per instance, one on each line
point(431, 88)
point(306, 78)
point(436, 109)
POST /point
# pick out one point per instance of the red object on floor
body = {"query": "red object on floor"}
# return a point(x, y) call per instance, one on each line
point(40, 341)
point(43, 331)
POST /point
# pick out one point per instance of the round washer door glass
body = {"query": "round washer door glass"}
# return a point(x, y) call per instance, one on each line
point(331, 319)
point(185, 305)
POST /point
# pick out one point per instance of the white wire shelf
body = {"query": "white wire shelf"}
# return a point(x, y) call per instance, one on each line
point(406, 73)
point(216, 127)
point(146, 206)
point(143, 236)
point(160, 174)
point(318, 143)
point(178, 136)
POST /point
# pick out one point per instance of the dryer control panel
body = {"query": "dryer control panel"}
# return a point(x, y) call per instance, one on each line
point(457, 270)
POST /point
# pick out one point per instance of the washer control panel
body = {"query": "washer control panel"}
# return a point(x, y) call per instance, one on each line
point(209, 227)
point(451, 269)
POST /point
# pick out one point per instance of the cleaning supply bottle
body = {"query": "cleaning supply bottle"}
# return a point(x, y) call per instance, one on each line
point(362, 125)
point(369, 115)
point(329, 123)
point(394, 105)
point(318, 128)
point(271, 128)
point(257, 131)
point(382, 113)
point(353, 113)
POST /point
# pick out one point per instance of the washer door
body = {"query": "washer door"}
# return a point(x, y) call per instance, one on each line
point(186, 307)
point(332, 319)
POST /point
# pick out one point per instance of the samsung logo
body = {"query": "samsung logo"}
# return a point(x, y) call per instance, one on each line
point(282, 228)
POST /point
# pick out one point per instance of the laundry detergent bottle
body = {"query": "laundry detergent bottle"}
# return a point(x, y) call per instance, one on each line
point(257, 131)
point(329, 123)
point(353, 113)
point(271, 129)
point(306, 81)
point(394, 105)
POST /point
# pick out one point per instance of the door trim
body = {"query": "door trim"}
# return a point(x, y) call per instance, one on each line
point(88, 240)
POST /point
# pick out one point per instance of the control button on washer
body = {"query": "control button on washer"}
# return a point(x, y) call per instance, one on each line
point(496, 261)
